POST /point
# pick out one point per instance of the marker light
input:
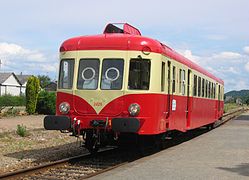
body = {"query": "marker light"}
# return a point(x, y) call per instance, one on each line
point(134, 109)
point(64, 108)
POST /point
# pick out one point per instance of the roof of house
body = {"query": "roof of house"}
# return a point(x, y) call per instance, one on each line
point(52, 86)
point(23, 78)
point(5, 76)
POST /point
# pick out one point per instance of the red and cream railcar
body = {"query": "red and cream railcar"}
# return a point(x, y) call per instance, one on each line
point(121, 82)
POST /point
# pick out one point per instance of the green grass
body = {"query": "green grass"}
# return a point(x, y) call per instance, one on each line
point(22, 130)
point(230, 106)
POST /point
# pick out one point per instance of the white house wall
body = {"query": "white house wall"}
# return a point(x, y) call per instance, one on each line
point(10, 86)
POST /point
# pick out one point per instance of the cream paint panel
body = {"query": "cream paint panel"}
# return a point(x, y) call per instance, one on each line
point(178, 66)
point(209, 79)
point(103, 97)
point(155, 72)
point(98, 99)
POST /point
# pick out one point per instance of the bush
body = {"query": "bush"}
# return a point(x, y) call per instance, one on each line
point(46, 103)
point(8, 100)
point(32, 90)
point(22, 130)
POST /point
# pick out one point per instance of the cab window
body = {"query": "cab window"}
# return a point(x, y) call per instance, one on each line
point(112, 74)
point(139, 74)
point(66, 74)
point(88, 74)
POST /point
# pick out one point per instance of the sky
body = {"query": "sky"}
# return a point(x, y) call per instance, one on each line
point(213, 34)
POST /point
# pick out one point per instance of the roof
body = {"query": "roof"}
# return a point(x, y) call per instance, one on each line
point(121, 41)
point(52, 86)
point(5, 76)
point(23, 78)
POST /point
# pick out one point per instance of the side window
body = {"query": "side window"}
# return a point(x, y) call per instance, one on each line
point(112, 74)
point(215, 91)
point(180, 81)
point(209, 89)
point(183, 82)
point(199, 86)
point(139, 74)
point(163, 77)
point(195, 86)
point(88, 74)
point(206, 83)
point(174, 80)
point(66, 74)
point(203, 87)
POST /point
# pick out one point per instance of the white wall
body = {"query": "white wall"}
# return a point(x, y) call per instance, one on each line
point(13, 87)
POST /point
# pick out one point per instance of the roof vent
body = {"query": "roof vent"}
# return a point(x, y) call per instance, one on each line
point(123, 28)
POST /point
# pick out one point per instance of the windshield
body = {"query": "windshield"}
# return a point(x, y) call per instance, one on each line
point(112, 74)
point(88, 74)
point(66, 74)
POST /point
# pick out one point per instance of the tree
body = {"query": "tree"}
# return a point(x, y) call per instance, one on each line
point(247, 100)
point(32, 90)
point(46, 103)
point(44, 80)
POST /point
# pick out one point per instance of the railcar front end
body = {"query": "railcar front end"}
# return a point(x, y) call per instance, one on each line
point(120, 83)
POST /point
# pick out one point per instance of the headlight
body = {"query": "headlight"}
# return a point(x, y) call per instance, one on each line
point(134, 109)
point(64, 108)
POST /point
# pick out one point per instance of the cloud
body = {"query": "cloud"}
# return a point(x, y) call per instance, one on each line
point(188, 54)
point(227, 55)
point(14, 51)
point(232, 67)
point(16, 58)
point(246, 49)
point(247, 66)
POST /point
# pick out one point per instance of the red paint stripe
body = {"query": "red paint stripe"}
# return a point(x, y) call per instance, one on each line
point(129, 42)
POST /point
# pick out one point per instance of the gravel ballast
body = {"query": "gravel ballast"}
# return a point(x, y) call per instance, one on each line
point(39, 146)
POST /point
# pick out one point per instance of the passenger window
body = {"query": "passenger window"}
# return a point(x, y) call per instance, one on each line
point(88, 74)
point(174, 80)
point(203, 88)
point(199, 86)
point(66, 74)
point(214, 91)
point(163, 77)
point(209, 89)
point(183, 82)
point(195, 86)
point(180, 81)
point(139, 74)
point(206, 84)
point(112, 74)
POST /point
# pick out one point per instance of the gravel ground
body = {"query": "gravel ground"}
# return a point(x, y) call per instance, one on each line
point(37, 147)
point(31, 122)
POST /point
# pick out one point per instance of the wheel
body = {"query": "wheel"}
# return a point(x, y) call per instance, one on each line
point(91, 142)
point(210, 126)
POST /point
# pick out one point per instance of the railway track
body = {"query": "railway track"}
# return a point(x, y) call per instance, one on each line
point(87, 165)
point(228, 116)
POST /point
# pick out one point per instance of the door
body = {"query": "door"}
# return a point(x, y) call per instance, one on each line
point(188, 109)
point(168, 87)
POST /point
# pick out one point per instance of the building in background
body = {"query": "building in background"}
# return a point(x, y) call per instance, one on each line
point(51, 87)
point(12, 84)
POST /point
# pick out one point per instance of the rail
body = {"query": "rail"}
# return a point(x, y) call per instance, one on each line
point(230, 115)
point(52, 165)
point(31, 170)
